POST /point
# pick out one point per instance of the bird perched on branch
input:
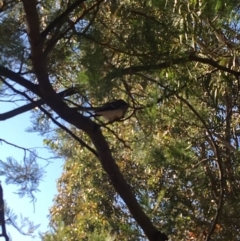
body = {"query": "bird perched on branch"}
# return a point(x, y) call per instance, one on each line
point(111, 111)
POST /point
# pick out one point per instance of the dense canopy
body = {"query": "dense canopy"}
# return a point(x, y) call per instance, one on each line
point(170, 169)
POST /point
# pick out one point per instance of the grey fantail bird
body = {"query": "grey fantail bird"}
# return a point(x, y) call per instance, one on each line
point(111, 111)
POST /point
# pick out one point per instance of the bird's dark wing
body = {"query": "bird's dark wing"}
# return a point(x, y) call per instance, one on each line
point(112, 105)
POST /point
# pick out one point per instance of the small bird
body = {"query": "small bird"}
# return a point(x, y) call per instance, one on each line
point(111, 111)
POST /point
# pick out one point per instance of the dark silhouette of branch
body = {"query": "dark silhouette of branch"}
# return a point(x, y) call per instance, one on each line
point(2, 217)
point(83, 123)
point(55, 121)
point(51, 43)
point(17, 78)
point(32, 152)
point(213, 63)
point(117, 73)
point(61, 18)
point(116, 135)
point(33, 104)
point(82, 143)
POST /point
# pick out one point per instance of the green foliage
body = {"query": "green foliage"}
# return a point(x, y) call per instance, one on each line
point(170, 162)
point(174, 62)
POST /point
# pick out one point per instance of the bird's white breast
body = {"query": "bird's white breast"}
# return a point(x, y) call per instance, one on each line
point(111, 115)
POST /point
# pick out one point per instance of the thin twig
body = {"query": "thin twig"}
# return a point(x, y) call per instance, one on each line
point(220, 168)
point(55, 121)
point(24, 149)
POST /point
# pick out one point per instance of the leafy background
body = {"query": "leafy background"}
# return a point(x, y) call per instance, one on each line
point(177, 64)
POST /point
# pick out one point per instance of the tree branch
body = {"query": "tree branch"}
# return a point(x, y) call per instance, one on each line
point(23, 149)
point(55, 102)
point(55, 121)
point(136, 69)
point(51, 43)
point(17, 78)
point(214, 64)
point(60, 19)
point(33, 104)
point(85, 124)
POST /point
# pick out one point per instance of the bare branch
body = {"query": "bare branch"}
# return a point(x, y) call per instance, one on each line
point(51, 43)
point(213, 63)
point(60, 19)
point(136, 69)
point(23, 148)
point(55, 121)
point(17, 78)
point(30, 106)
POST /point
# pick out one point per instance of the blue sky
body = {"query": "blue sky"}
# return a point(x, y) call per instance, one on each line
point(13, 130)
